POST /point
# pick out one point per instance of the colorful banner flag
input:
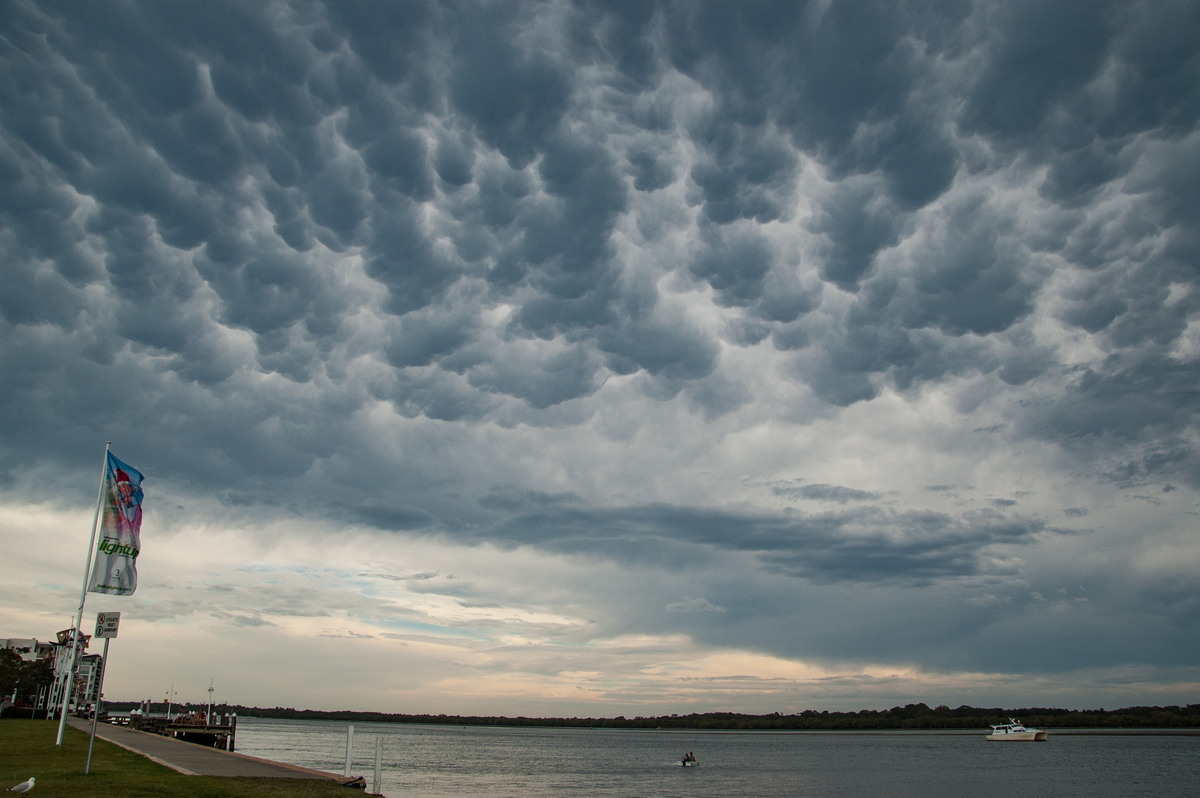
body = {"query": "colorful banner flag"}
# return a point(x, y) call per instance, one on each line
point(115, 568)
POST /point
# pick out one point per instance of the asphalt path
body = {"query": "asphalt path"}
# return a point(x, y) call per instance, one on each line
point(196, 760)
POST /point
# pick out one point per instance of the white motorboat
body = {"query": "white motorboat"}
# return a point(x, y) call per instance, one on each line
point(1017, 732)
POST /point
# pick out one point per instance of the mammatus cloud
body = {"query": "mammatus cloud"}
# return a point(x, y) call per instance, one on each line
point(800, 341)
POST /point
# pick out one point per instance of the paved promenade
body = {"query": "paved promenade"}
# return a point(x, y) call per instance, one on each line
point(196, 760)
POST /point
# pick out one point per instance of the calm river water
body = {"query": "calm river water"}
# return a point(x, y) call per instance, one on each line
point(497, 762)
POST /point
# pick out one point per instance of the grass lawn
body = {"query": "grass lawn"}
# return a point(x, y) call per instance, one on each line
point(27, 749)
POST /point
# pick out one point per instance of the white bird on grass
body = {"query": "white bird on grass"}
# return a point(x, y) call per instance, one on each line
point(24, 786)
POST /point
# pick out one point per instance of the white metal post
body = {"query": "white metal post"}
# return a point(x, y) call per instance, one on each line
point(69, 683)
point(96, 707)
point(378, 763)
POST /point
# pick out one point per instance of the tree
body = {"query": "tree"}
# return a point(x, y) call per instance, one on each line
point(22, 679)
point(10, 670)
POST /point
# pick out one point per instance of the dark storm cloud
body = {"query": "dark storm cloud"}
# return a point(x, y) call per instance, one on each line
point(744, 176)
point(516, 99)
point(735, 266)
point(361, 262)
point(836, 493)
point(871, 544)
point(976, 282)
point(390, 518)
point(855, 88)
point(206, 117)
point(1040, 54)
point(858, 222)
point(1133, 407)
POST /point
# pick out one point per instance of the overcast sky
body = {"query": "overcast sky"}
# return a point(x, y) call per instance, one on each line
point(610, 358)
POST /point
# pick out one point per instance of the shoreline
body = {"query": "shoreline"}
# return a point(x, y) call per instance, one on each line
point(141, 768)
point(1072, 731)
point(912, 717)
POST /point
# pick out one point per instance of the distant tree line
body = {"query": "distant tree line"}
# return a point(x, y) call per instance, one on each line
point(910, 716)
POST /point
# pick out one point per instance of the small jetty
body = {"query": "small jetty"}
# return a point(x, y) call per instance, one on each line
point(211, 731)
point(196, 760)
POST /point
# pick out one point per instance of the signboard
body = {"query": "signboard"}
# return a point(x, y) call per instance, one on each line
point(106, 624)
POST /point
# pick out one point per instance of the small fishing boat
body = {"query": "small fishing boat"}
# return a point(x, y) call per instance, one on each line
point(1017, 732)
point(690, 761)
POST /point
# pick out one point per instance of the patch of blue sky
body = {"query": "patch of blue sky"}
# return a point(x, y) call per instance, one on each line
point(439, 630)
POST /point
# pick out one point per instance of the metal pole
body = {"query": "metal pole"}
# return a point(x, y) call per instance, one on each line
point(96, 707)
point(69, 683)
point(378, 763)
point(349, 748)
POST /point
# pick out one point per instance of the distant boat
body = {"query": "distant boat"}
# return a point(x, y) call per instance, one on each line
point(1015, 731)
point(690, 761)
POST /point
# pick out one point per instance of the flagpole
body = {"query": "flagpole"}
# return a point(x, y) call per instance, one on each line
point(69, 682)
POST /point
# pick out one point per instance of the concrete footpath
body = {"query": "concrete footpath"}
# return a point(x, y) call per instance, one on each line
point(196, 760)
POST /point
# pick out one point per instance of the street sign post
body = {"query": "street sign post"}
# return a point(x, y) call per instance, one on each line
point(106, 628)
